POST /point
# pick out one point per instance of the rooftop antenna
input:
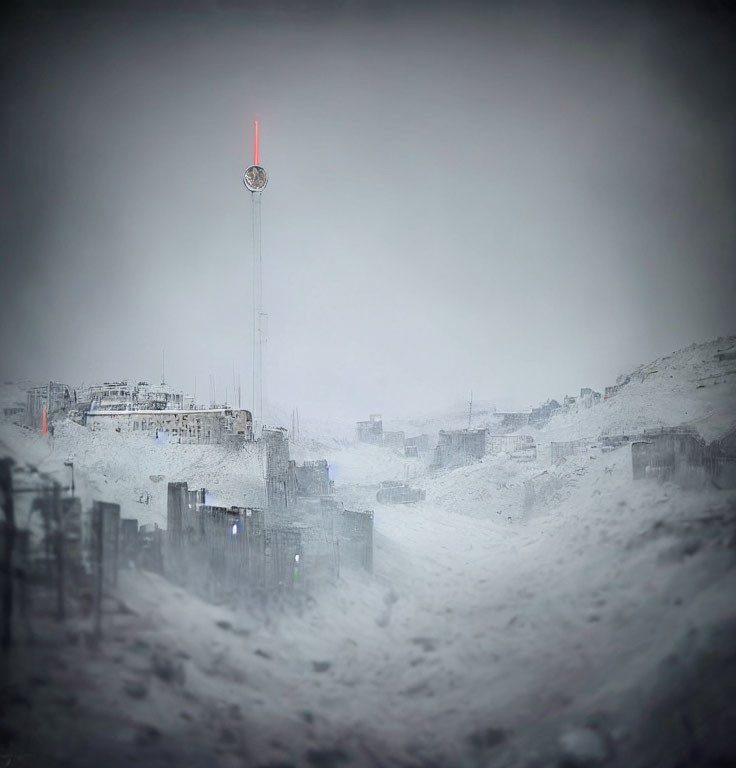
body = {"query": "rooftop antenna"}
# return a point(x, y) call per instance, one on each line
point(255, 179)
point(163, 366)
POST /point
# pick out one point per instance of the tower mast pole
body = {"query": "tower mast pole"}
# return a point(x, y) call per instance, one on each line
point(255, 179)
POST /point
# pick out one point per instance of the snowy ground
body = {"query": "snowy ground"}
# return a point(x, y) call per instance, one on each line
point(594, 627)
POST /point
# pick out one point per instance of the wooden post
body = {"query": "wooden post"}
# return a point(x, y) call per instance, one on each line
point(59, 541)
point(6, 488)
point(97, 539)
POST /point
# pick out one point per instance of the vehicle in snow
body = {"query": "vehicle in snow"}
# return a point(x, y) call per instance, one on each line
point(396, 492)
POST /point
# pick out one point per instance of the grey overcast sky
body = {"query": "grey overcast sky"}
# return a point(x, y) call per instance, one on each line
point(518, 199)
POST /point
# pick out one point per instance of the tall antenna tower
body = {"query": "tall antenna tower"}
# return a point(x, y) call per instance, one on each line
point(255, 179)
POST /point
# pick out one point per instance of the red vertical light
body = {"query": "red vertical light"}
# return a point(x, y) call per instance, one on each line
point(255, 146)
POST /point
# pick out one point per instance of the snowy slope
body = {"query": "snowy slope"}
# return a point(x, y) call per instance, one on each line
point(588, 627)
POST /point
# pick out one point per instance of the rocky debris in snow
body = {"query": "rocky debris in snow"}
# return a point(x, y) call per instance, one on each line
point(166, 669)
point(136, 689)
point(327, 758)
point(583, 747)
point(487, 738)
point(427, 644)
point(147, 735)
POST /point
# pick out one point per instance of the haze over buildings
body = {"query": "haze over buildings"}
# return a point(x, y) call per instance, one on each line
point(459, 198)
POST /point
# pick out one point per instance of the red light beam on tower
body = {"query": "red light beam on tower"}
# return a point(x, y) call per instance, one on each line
point(255, 145)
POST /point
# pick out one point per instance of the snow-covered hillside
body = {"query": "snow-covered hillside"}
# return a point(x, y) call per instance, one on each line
point(589, 623)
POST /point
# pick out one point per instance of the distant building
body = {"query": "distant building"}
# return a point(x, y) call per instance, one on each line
point(540, 416)
point(513, 421)
point(420, 442)
point(52, 397)
point(281, 484)
point(192, 426)
point(589, 398)
point(519, 447)
point(156, 410)
point(395, 492)
point(371, 431)
point(459, 447)
point(313, 479)
point(121, 396)
point(396, 440)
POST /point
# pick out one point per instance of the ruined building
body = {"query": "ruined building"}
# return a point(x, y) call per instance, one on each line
point(313, 479)
point(510, 422)
point(395, 440)
point(519, 447)
point(280, 469)
point(221, 553)
point(158, 411)
point(53, 398)
point(679, 454)
point(540, 416)
point(371, 431)
point(459, 447)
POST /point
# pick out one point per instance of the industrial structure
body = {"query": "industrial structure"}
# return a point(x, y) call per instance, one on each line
point(255, 180)
point(519, 447)
point(458, 447)
point(161, 412)
point(396, 492)
point(371, 431)
point(46, 401)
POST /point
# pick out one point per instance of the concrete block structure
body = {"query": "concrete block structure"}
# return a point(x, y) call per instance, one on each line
point(459, 447)
point(219, 552)
point(421, 442)
point(510, 422)
point(520, 447)
point(395, 440)
point(281, 482)
point(313, 479)
point(55, 398)
point(394, 492)
point(194, 426)
point(540, 416)
point(371, 431)
point(161, 412)
point(670, 453)
point(222, 553)
point(561, 450)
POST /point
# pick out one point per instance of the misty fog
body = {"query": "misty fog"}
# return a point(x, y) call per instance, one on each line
point(486, 514)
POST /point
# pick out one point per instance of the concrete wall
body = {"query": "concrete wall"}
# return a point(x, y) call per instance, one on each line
point(371, 431)
point(281, 484)
point(54, 397)
point(313, 479)
point(221, 553)
point(396, 440)
point(513, 421)
point(191, 426)
point(459, 447)
point(518, 446)
point(569, 448)
point(671, 453)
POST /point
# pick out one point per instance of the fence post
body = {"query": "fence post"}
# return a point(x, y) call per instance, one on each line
point(6, 487)
point(59, 540)
point(97, 545)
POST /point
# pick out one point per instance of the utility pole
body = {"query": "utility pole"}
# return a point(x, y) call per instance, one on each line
point(255, 179)
point(470, 409)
